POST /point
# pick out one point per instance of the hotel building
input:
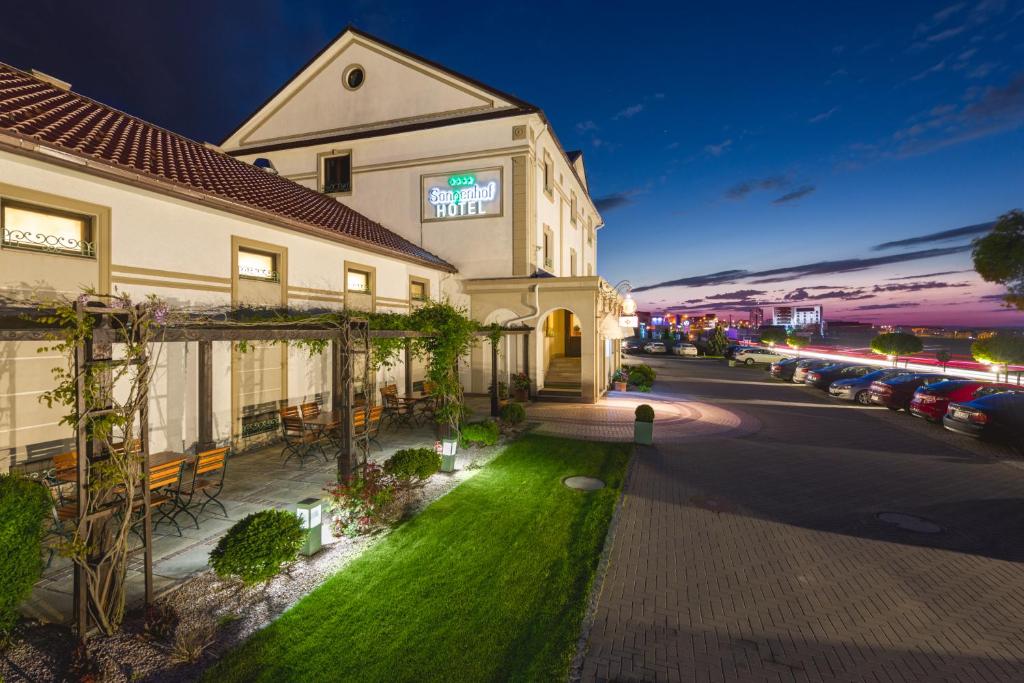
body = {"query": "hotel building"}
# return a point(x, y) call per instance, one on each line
point(372, 180)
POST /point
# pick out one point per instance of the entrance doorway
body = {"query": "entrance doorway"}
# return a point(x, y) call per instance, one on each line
point(562, 351)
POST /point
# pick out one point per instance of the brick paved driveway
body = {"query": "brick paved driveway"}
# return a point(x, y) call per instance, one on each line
point(759, 557)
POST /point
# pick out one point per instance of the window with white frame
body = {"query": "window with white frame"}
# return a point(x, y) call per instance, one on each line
point(548, 248)
point(257, 265)
point(336, 173)
point(572, 208)
point(549, 175)
point(418, 290)
point(37, 228)
point(572, 262)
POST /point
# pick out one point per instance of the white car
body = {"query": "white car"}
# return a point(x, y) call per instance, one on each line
point(752, 355)
point(684, 350)
point(654, 347)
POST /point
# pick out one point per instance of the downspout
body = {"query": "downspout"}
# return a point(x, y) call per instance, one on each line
point(532, 314)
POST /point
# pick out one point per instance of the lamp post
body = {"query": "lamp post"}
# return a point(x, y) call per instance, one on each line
point(310, 513)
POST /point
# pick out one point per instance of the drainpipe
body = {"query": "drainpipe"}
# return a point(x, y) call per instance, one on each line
point(533, 314)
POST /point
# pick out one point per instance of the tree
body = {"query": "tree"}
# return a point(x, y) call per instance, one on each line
point(717, 342)
point(773, 335)
point(796, 342)
point(1000, 349)
point(896, 344)
point(999, 256)
point(943, 356)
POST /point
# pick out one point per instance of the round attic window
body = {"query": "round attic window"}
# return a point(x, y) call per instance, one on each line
point(353, 77)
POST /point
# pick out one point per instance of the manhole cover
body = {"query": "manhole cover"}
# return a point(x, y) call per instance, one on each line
point(907, 522)
point(584, 483)
point(712, 504)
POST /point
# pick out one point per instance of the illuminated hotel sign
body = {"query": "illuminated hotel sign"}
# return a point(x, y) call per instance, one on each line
point(629, 321)
point(465, 194)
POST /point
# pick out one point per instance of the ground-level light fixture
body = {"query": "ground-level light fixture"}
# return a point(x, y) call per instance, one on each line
point(310, 513)
point(447, 448)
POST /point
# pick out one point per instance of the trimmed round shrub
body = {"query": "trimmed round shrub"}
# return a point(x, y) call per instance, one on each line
point(480, 433)
point(24, 505)
point(256, 548)
point(413, 465)
point(513, 413)
point(644, 413)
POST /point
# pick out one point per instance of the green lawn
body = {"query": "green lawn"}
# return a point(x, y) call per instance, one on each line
point(488, 583)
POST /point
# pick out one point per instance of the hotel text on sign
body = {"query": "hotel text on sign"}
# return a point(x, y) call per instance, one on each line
point(461, 194)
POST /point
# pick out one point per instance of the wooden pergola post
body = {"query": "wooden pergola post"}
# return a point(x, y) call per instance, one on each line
point(495, 409)
point(205, 395)
point(408, 366)
point(342, 396)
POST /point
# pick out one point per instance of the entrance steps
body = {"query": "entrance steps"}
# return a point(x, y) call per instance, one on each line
point(561, 381)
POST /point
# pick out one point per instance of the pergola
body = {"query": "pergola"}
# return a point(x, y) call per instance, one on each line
point(347, 341)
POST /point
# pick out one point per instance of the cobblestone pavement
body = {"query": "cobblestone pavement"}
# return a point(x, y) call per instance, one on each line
point(757, 554)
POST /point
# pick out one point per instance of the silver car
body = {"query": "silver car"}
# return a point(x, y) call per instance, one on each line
point(858, 388)
point(805, 366)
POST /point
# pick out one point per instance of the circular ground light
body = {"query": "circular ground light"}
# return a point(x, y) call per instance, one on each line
point(584, 483)
point(918, 525)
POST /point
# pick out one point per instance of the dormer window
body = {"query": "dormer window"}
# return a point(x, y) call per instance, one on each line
point(336, 173)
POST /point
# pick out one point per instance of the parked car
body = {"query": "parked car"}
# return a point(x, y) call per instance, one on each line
point(749, 355)
point(997, 416)
point(684, 349)
point(805, 366)
point(896, 393)
point(858, 388)
point(631, 345)
point(931, 402)
point(730, 351)
point(822, 378)
point(654, 347)
point(783, 369)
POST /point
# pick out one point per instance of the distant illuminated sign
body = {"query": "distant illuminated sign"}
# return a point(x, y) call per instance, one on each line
point(629, 321)
point(465, 194)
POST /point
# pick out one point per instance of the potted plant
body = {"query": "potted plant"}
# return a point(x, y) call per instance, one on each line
point(620, 380)
point(643, 427)
point(520, 386)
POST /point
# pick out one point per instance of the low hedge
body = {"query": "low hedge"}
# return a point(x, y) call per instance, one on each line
point(413, 465)
point(257, 547)
point(24, 505)
point(480, 433)
point(513, 413)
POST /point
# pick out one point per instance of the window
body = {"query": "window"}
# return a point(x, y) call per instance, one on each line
point(336, 173)
point(572, 209)
point(572, 262)
point(358, 281)
point(353, 77)
point(257, 265)
point(549, 175)
point(419, 290)
point(548, 238)
point(26, 226)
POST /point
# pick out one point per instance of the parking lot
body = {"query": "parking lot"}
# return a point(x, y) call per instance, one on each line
point(833, 542)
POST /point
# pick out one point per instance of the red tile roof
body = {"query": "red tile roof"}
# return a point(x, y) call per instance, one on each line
point(35, 110)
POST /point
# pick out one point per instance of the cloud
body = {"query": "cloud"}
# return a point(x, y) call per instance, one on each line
point(617, 200)
point(742, 189)
point(941, 236)
point(800, 294)
point(739, 294)
point(943, 272)
point(938, 18)
point(586, 126)
point(881, 307)
point(719, 149)
point(789, 272)
point(994, 111)
point(935, 68)
point(629, 112)
point(823, 116)
point(983, 70)
point(917, 286)
point(946, 35)
point(796, 194)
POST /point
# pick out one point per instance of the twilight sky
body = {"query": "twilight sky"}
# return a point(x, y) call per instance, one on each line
point(839, 153)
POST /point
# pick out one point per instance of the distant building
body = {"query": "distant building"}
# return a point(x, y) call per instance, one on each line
point(756, 317)
point(796, 316)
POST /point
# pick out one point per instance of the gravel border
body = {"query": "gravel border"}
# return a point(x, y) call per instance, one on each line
point(44, 652)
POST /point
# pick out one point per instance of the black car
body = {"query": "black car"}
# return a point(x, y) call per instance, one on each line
point(897, 392)
point(730, 351)
point(823, 377)
point(784, 368)
point(632, 345)
point(996, 416)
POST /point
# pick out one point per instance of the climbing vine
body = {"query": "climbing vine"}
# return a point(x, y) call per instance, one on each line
point(115, 392)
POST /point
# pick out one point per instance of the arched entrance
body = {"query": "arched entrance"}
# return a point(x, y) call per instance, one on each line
point(562, 353)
